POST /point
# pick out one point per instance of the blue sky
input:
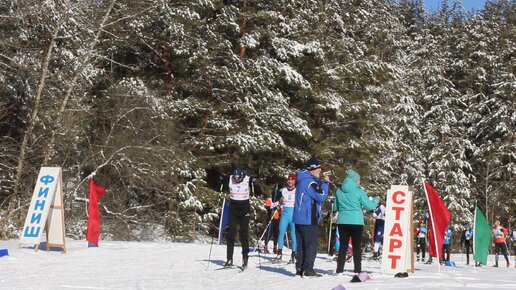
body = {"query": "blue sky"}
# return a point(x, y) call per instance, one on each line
point(431, 5)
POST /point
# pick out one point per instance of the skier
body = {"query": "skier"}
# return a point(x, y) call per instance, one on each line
point(513, 238)
point(272, 207)
point(500, 233)
point(447, 244)
point(379, 215)
point(287, 200)
point(421, 233)
point(351, 200)
point(466, 240)
point(311, 192)
point(240, 188)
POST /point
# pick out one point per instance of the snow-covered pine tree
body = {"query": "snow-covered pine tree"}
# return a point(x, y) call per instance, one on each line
point(444, 131)
point(487, 47)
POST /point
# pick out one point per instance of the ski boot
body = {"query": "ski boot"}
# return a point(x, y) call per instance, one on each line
point(275, 250)
point(375, 256)
point(229, 263)
point(278, 257)
point(508, 265)
point(266, 250)
point(244, 262)
point(299, 273)
point(429, 261)
point(311, 273)
point(292, 258)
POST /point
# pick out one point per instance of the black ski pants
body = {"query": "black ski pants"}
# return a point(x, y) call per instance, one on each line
point(272, 230)
point(355, 232)
point(501, 248)
point(421, 247)
point(447, 251)
point(238, 215)
point(467, 245)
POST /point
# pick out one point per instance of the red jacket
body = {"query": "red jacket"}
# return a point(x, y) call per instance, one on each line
point(499, 234)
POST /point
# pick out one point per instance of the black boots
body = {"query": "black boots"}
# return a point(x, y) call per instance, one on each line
point(311, 273)
point(228, 263)
point(279, 256)
point(292, 258)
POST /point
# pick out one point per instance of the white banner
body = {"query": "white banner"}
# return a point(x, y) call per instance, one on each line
point(46, 199)
point(55, 222)
point(397, 245)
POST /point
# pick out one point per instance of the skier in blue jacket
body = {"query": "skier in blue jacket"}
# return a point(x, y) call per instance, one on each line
point(467, 240)
point(311, 192)
point(447, 244)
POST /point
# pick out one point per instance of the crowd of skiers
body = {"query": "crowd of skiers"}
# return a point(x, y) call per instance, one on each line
point(501, 244)
point(298, 208)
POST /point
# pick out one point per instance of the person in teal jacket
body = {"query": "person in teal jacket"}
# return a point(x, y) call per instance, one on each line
point(351, 201)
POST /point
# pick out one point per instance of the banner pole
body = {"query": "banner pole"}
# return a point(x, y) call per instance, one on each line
point(329, 231)
point(433, 228)
point(219, 238)
point(412, 230)
point(474, 235)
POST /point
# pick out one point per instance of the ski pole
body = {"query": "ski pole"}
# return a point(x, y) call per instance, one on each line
point(329, 230)
point(220, 229)
point(259, 260)
point(270, 221)
point(209, 256)
point(258, 242)
point(507, 253)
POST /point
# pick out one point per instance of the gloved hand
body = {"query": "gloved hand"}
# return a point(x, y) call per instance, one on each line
point(334, 217)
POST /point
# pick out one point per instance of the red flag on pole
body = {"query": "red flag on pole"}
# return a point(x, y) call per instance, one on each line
point(93, 231)
point(437, 222)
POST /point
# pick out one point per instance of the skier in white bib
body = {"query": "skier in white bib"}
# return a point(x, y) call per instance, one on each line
point(287, 200)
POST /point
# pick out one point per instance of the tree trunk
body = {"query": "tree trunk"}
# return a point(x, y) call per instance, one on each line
point(37, 100)
point(71, 85)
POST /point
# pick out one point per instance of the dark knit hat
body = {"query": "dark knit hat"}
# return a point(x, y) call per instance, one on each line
point(313, 163)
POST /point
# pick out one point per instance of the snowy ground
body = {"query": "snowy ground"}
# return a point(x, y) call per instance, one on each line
point(137, 265)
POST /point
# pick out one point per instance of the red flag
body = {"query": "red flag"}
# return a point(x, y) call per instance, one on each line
point(439, 219)
point(93, 231)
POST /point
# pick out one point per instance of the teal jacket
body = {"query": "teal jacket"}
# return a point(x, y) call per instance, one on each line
point(351, 200)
